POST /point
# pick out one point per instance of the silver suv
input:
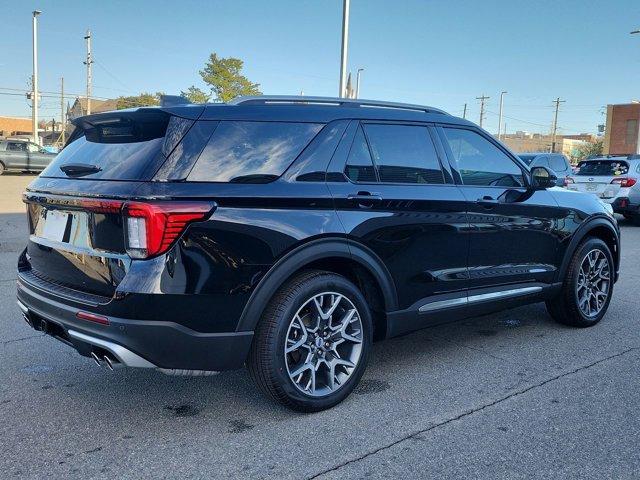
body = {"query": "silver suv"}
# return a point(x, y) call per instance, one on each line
point(612, 178)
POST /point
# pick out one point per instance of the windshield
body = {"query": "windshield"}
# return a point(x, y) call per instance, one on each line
point(605, 168)
point(527, 158)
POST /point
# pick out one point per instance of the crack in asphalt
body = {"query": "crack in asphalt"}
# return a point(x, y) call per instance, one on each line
point(21, 339)
point(471, 412)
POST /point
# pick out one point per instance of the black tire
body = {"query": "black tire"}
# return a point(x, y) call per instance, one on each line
point(565, 307)
point(267, 364)
point(1, 168)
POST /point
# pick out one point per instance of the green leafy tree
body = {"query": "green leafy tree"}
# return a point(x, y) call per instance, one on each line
point(224, 76)
point(195, 95)
point(145, 99)
point(587, 150)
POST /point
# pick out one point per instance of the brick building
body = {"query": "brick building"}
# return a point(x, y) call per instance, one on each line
point(621, 134)
point(14, 126)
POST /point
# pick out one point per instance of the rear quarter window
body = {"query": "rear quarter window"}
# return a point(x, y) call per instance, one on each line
point(251, 152)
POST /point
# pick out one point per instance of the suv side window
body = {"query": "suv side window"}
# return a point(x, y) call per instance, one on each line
point(33, 148)
point(558, 163)
point(359, 167)
point(17, 146)
point(404, 154)
point(480, 162)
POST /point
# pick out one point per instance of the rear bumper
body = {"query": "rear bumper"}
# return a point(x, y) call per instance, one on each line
point(167, 346)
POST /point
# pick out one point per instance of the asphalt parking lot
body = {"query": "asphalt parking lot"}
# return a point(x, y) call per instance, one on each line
point(510, 395)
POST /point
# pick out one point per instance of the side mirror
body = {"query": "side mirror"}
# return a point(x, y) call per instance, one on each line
point(542, 177)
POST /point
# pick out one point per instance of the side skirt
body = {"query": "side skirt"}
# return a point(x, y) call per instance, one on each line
point(451, 307)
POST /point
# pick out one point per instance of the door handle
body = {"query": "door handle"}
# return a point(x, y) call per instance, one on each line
point(487, 201)
point(365, 199)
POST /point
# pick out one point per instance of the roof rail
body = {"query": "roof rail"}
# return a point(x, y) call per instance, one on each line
point(341, 102)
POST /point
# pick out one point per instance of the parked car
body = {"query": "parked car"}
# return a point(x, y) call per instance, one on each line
point(23, 156)
point(556, 162)
point(287, 233)
point(614, 179)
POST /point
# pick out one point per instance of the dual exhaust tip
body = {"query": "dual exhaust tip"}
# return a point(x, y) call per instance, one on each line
point(106, 360)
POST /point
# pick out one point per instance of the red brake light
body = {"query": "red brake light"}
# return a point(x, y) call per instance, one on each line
point(151, 228)
point(92, 317)
point(625, 181)
point(101, 206)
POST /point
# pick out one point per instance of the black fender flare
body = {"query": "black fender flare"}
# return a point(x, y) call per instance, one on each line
point(305, 254)
point(583, 231)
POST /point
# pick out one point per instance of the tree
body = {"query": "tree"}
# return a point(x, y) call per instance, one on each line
point(145, 99)
point(195, 95)
point(588, 149)
point(224, 77)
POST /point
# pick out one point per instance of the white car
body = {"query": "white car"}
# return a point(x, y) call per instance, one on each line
point(612, 178)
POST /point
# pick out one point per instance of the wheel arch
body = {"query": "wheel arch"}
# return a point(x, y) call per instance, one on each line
point(598, 227)
point(342, 256)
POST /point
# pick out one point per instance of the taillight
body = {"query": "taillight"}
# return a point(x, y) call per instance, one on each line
point(625, 181)
point(568, 181)
point(151, 228)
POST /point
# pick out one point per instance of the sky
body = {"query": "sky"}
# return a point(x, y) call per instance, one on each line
point(433, 52)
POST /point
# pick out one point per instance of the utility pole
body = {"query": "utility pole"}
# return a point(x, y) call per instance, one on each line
point(34, 93)
point(464, 112)
point(557, 101)
point(358, 82)
point(482, 100)
point(88, 63)
point(63, 120)
point(345, 42)
point(502, 94)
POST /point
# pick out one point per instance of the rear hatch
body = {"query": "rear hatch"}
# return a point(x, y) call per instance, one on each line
point(75, 207)
point(601, 177)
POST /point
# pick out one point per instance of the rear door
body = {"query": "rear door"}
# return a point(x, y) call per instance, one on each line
point(513, 229)
point(393, 195)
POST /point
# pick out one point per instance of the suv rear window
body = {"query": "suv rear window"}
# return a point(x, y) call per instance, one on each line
point(605, 168)
point(121, 145)
point(254, 152)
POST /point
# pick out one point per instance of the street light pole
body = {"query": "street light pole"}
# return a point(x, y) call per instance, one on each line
point(502, 94)
point(34, 95)
point(345, 42)
point(358, 82)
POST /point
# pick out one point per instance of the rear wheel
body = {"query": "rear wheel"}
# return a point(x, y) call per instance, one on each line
point(312, 345)
point(587, 288)
point(1, 168)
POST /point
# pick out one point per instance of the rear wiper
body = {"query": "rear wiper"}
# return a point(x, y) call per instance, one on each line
point(79, 169)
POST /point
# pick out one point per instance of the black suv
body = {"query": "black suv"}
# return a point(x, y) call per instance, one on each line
point(287, 233)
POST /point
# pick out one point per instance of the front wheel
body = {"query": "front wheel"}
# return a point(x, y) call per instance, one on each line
point(312, 344)
point(587, 288)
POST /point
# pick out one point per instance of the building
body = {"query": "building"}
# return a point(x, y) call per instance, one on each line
point(15, 126)
point(522, 142)
point(621, 132)
point(79, 107)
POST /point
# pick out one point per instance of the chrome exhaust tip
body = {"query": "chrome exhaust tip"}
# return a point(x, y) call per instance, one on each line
point(96, 359)
point(108, 362)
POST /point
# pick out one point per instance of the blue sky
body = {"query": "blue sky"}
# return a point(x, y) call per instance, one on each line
point(439, 53)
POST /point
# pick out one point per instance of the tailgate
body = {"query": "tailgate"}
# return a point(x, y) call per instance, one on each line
point(600, 185)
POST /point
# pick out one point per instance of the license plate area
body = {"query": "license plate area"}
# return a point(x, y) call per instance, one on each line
point(56, 225)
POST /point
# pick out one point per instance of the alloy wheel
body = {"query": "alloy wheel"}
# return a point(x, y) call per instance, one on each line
point(323, 344)
point(594, 283)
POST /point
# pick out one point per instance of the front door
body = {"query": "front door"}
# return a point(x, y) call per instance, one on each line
point(513, 237)
point(38, 159)
point(393, 196)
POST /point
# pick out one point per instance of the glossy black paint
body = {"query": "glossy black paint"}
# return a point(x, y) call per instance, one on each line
point(415, 242)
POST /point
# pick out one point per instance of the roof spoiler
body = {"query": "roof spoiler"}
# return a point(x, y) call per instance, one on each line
point(173, 100)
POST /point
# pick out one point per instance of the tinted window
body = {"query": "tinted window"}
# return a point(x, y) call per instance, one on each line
point(606, 168)
point(404, 154)
point(17, 146)
point(558, 163)
point(33, 148)
point(359, 165)
point(480, 162)
point(251, 151)
point(527, 158)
